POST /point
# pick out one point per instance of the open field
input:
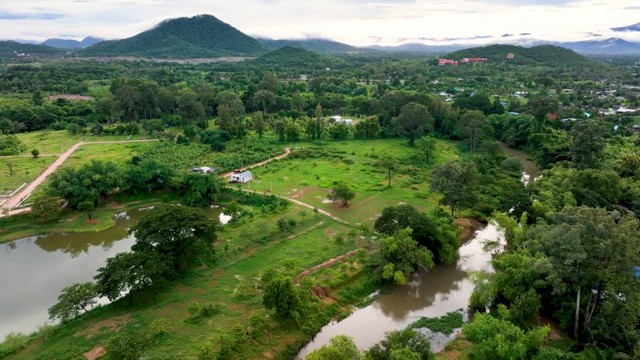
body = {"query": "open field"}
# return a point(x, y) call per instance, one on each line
point(55, 142)
point(117, 153)
point(25, 169)
point(310, 179)
point(231, 284)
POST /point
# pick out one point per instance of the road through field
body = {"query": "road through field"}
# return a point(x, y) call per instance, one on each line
point(17, 198)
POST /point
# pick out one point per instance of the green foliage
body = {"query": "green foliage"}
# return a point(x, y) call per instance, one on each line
point(340, 347)
point(368, 128)
point(414, 121)
point(13, 343)
point(435, 230)
point(133, 272)
point(427, 147)
point(399, 257)
point(343, 193)
point(456, 182)
point(74, 300)
point(35, 153)
point(127, 346)
point(10, 145)
point(45, 208)
point(90, 183)
point(445, 324)
point(279, 293)
point(587, 146)
point(543, 54)
point(496, 338)
point(407, 343)
point(160, 327)
point(199, 189)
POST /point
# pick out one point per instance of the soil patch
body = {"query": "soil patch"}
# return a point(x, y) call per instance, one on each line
point(555, 333)
point(325, 264)
point(70, 97)
point(95, 353)
point(468, 228)
point(112, 324)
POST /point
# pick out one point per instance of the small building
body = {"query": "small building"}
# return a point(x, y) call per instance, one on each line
point(203, 170)
point(624, 110)
point(241, 177)
point(474, 60)
point(635, 129)
point(445, 62)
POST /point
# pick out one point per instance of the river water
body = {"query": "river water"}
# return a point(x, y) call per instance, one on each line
point(35, 269)
point(430, 293)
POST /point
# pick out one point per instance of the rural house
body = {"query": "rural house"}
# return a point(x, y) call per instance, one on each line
point(241, 177)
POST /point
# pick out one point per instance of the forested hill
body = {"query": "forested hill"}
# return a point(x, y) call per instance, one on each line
point(543, 54)
point(197, 37)
point(10, 48)
point(316, 45)
point(292, 56)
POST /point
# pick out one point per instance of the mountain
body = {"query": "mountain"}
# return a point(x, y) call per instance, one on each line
point(71, 44)
point(634, 27)
point(419, 48)
point(316, 45)
point(292, 56)
point(541, 54)
point(605, 46)
point(197, 37)
point(12, 49)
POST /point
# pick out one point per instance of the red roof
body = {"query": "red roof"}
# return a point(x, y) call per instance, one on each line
point(552, 116)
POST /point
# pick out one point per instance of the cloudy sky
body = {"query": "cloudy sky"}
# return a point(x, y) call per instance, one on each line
point(357, 22)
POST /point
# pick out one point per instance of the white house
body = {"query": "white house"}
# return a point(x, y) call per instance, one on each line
point(241, 177)
point(624, 110)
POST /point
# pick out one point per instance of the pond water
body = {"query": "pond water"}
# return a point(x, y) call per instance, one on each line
point(430, 293)
point(35, 269)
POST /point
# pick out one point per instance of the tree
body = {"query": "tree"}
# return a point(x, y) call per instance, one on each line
point(279, 293)
point(406, 343)
point(189, 107)
point(343, 193)
point(473, 127)
point(132, 273)
point(539, 106)
point(37, 98)
point(456, 181)
point(94, 182)
point(88, 206)
point(73, 300)
point(185, 235)
point(265, 99)
point(45, 208)
point(587, 144)
point(339, 131)
point(340, 347)
point(413, 121)
point(368, 128)
point(399, 257)
point(427, 146)
point(35, 153)
point(259, 125)
point(389, 164)
point(292, 131)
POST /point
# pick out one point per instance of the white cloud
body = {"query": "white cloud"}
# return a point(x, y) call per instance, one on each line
point(353, 21)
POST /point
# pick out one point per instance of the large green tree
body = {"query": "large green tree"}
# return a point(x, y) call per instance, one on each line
point(399, 257)
point(456, 182)
point(74, 300)
point(587, 144)
point(474, 127)
point(413, 121)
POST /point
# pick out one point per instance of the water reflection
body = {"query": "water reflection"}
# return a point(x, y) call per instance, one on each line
point(430, 293)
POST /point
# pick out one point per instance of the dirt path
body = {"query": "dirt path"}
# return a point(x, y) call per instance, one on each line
point(286, 153)
point(16, 199)
point(325, 264)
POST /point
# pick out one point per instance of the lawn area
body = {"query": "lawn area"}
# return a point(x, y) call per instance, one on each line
point(55, 142)
point(231, 284)
point(310, 179)
point(25, 169)
point(118, 153)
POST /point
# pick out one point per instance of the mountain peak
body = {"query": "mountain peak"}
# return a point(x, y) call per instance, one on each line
point(197, 36)
point(634, 27)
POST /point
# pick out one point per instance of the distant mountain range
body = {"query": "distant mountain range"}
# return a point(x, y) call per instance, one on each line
point(542, 54)
point(72, 44)
point(16, 49)
point(204, 36)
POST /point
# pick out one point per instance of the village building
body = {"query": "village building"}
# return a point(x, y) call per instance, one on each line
point(445, 62)
point(241, 177)
point(203, 170)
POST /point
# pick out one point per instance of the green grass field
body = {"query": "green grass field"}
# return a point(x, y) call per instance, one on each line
point(310, 179)
point(25, 169)
point(56, 142)
point(117, 153)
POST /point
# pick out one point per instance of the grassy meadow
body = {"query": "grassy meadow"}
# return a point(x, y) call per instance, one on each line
point(117, 153)
point(25, 169)
point(310, 179)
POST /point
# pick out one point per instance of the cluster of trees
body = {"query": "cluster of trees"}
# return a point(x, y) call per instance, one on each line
point(169, 241)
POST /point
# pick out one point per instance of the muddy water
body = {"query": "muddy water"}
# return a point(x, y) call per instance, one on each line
point(531, 170)
point(430, 293)
point(33, 270)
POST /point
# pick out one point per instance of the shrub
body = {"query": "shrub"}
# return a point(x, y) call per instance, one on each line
point(127, 346)
point(160, 327)
point(12, 343)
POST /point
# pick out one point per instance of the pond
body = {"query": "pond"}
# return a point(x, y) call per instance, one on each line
point(35, 269)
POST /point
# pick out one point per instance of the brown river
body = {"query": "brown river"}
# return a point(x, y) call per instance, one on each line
point(33, 270)
point(431, 293)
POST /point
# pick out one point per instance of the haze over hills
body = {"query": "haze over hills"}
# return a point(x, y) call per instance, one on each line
point(196, 37)
point(72, 44)
point(634, 27)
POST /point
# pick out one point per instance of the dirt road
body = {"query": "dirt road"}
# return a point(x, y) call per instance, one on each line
point(286, 153)
point(17, 198)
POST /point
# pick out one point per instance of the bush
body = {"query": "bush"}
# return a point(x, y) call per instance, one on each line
point(13, 343)
point(160, 327)
point(127, 346)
